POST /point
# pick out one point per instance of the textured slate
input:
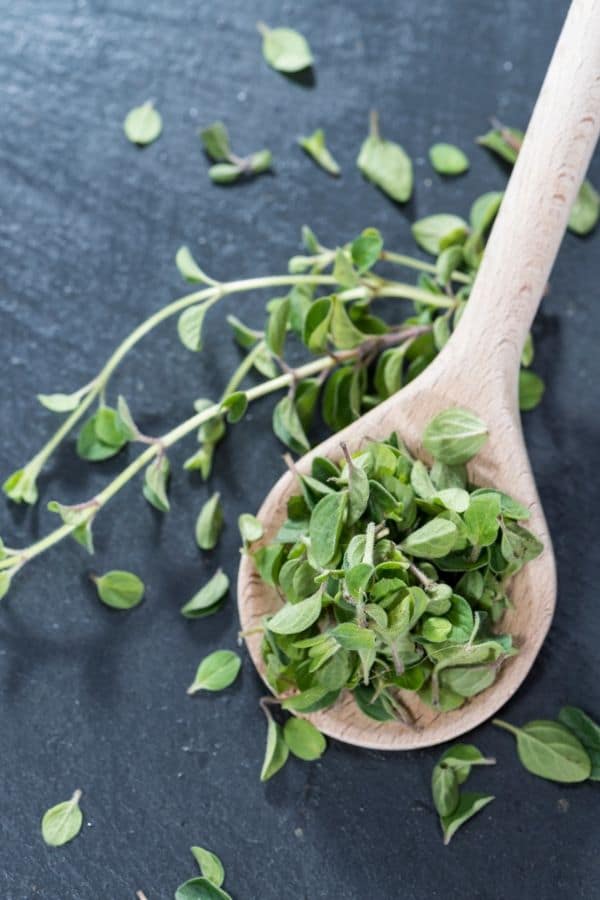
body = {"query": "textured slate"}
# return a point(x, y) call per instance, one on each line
point(88, 230)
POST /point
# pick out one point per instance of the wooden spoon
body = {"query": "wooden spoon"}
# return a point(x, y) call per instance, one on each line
point(478, 369)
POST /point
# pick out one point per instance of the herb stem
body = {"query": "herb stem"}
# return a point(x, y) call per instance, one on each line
point(506, 725)
point(210, 296)
point(243, 368)
point(170, 438)
point(408, 292)
point(410, 262)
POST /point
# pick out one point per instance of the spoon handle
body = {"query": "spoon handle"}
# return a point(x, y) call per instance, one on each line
point(529, 228)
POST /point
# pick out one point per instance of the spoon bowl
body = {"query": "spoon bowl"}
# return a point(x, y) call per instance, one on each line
point(478, 369)
point(533, 589)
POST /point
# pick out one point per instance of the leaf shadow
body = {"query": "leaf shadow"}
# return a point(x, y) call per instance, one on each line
point(306, 78)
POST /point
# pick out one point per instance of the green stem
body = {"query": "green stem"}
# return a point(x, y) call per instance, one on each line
point(210, 295)
point(506, 725)
point(408, 292)
point(420, 265)
point(243, 368)
point(170, 438)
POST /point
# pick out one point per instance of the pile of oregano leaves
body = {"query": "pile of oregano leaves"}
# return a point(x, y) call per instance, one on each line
point(395, 577)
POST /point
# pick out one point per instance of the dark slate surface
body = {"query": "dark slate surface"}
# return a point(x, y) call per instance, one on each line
point(88, 230)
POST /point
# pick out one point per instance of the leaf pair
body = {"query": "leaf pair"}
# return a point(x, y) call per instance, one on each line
point(102, 436)
point(453, 769)
point(228, 166)
point(298, 736)
point(209, 885)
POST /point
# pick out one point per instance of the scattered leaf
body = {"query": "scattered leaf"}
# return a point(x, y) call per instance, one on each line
point(143, 124)
point(216, 672)
point(121, 590)
point(62, 822)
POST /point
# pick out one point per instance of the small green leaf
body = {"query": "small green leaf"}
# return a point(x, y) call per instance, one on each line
point(216, 672)
point(444, 788)
point(189, 268)
point(189, 327)
point(504, 142)
point(326, 523)
point(225, 173)
point(359, 490)
point(245, 337)
point(209, 523)
point(448, 159)
point(276, 752)
point(484, 210)
point(208, 599)
point(210, 865)
point(250, 528)
point(5, 580)
point(366, 249)
point(468, 805)
point(285, 49)
point(531, 390)
point(461, 757)
point(550, 750)
point(315, 146)
point(62, 822)
point(259, 162)
point(102, 436)
point(433, 540)
point(343, 270)
point(455, 436)
point(316, 324)
point(236, 405)
point(303, 739)
point(386, 164)
point(448, 262)
point(156, 480)
point(436, 629)
point(351, 636)
point(60, 403)
point(126, 420)
point(277, 325)
point(288, 427)
point(215, 141)
point(586, 731)
point(295, 617)
point(200, 889)
point(20, 486)
point(82, 520)
point(430, 233)
point(143, 124)
point(528, 353)
point(586, 210)
point(121, 590)
point(519, 545)
point(482, 519)
point(344, 334)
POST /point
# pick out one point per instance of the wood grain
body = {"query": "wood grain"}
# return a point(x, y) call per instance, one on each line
point(478, 369)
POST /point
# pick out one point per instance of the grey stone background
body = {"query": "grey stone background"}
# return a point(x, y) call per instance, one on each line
point(89, 226)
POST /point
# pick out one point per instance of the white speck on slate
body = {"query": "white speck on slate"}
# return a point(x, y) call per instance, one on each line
point(508, 66)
